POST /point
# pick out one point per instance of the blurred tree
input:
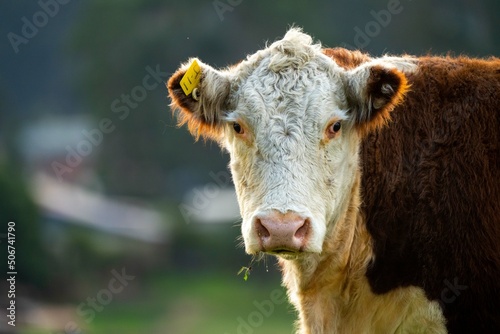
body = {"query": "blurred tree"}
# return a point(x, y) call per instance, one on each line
point(32, 263)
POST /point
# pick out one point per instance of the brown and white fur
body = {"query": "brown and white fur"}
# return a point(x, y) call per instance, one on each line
point(346, 168)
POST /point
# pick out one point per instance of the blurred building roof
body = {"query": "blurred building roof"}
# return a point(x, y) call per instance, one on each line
point(80, 206)
point(214, 205)
point(50, 136)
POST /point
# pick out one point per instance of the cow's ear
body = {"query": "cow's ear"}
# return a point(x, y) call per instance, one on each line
point(373, 90)
point(199, 94)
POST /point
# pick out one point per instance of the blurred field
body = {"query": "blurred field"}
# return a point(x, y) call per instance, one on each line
point(189, 304)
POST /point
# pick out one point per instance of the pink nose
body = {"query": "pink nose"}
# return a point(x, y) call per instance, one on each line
point(282, 233)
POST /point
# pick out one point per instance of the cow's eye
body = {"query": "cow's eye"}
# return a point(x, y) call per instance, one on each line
point(237, 128)
point(333, 129)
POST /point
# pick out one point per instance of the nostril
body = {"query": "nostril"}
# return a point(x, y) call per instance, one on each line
point(262, 231)
point(301, 232)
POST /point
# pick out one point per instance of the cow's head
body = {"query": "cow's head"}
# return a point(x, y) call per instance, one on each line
point(291, 118)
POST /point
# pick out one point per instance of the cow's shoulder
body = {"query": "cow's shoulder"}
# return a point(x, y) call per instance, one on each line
point(457, 71)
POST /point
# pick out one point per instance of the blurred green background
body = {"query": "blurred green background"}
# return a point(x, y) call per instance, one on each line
point(122, 223)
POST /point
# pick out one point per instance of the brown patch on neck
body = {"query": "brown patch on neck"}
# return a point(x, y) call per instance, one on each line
point(346, 58)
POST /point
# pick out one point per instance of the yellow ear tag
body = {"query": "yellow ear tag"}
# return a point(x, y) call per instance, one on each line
point(191, 78)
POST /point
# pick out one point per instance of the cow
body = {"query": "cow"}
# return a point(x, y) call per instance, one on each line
point(374, 181)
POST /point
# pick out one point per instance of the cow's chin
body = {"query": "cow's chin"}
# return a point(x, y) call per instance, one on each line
point(286, 253)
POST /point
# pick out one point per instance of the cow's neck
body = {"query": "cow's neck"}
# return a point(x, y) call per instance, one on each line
point(333, 278)
point(333, 295)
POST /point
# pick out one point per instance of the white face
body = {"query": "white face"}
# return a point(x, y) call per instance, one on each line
point(291, 119)
point(293, 150)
